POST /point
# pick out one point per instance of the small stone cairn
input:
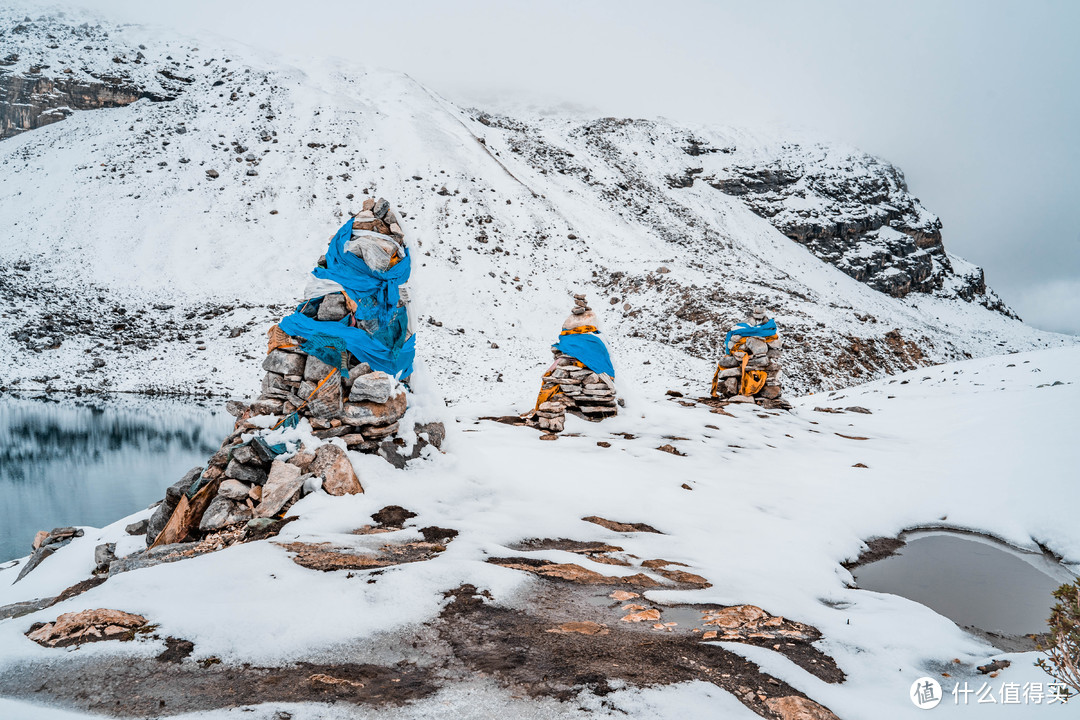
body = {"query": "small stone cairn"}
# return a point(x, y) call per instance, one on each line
point(761, 355)
point(569, 386)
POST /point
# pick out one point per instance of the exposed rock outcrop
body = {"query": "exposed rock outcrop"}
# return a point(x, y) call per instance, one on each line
point(855, 211)
point(32, 100)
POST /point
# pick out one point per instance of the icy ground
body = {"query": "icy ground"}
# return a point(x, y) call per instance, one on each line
point(775, 506)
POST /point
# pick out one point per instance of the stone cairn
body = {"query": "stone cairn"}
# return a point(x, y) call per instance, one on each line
point(246, 481)
point(569, 386)
point(363, 407)
point(762, 356)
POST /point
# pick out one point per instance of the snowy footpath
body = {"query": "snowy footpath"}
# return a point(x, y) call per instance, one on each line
point(764, 505)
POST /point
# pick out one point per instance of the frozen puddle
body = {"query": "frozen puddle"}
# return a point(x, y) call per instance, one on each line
point(94, 462)
point(972, 580)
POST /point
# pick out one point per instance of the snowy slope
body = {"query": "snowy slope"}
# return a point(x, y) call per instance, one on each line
point(775, 506)
point(110, 213)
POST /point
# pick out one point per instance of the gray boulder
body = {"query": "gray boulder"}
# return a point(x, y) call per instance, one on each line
point(245, 473)
point(375, 386)
point(284, 363)
point(222, 512)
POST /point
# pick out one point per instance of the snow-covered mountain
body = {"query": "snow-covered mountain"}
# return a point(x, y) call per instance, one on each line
point(148, 243)
point(162, 202)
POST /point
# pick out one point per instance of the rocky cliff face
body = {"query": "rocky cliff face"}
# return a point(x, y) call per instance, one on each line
point(50, 69)
point(854, 211)
point(32, 100)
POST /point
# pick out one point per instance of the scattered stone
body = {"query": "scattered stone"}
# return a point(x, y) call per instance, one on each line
point(176, 650)
point(138, 528)
point(103, 555)
point(621, 526)
point(994, 666)
point(76, 628)
point(795, 707)
point(392, 516)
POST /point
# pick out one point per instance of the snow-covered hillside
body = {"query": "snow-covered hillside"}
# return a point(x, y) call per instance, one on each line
point(127, 264)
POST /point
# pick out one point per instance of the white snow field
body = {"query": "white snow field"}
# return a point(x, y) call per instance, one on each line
point(776, 507)
point(113, 209)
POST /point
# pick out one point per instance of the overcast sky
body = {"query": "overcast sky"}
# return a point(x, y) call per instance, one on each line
point(978, 102)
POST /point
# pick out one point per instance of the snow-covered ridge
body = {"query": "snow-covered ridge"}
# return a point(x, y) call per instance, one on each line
point(122, 247)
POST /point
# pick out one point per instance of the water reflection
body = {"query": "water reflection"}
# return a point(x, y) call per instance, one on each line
point(94, 462)
point(972, 580)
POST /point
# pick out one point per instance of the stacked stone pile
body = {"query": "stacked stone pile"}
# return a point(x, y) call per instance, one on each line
point(569, 386)
point(247, 482)
point(360, 406)
point(766, 356)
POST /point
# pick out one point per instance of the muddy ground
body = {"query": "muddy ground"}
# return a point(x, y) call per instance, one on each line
point(522, 646)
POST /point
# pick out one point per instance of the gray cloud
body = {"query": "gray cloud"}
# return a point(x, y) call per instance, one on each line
point(976, 100)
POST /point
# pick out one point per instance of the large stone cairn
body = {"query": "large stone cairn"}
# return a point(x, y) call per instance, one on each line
point(580, 390)
point(362, 408)
point(765, 356)
point(246, 485)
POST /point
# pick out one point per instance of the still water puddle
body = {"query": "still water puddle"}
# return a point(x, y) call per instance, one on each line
point(972, 580)
point(94, 462)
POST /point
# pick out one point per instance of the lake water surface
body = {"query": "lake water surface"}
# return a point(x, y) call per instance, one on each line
point(91, 462)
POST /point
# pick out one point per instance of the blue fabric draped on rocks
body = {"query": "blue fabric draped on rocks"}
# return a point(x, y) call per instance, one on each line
point(360, 281)
point(376, 295)
point(589, 349)
point(357, 340)
point(765, 329)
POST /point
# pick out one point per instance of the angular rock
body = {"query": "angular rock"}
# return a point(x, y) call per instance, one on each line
point(222, 512)
point(245, 473)
point(324, 402)
point(138, 528)
point(315, 369)
point(235, 408)
point(794, 707)
point(35, 559)
point(245, 455)
point(284, 363)
point(331, 309)
point(375, 386)
point(333, 466)
point(151, 557)
point(87, 626)
point(164, 511)
point(756, 346)
point(104, 554)
point(283, 482)
point(370, 413)
point(234, 489)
